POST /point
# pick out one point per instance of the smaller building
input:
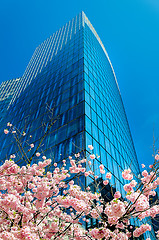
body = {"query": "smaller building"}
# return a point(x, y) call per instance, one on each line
point(7, 90)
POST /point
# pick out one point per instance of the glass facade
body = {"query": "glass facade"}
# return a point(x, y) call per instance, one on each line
point(7, 90)
point(70, 77)
point(54, 79)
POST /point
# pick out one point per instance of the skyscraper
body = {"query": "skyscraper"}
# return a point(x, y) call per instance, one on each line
point(71, 74)
point(71, 79)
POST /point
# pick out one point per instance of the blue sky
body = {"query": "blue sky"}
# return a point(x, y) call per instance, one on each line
point(129, 30)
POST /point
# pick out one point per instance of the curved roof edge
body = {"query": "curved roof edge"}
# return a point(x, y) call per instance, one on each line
point(86, 20)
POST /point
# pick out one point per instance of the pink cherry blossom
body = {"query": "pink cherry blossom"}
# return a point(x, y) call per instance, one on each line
point(126, 174)
point(117, 194)
point(102, 171)
point(6, 131)
point(108, 175)
point(86, 174)
point(41, 204)
point(105, 182)
point(101, 166)
point(77, 155)
point(92, 156)
point(142, 229)
point(90, 147)
point(97, 233)
point(38, 154)
point(145, 173)
point(128, 188)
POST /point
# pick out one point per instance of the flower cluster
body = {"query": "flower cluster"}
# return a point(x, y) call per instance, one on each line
point(40, 204)
point(142, 229)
